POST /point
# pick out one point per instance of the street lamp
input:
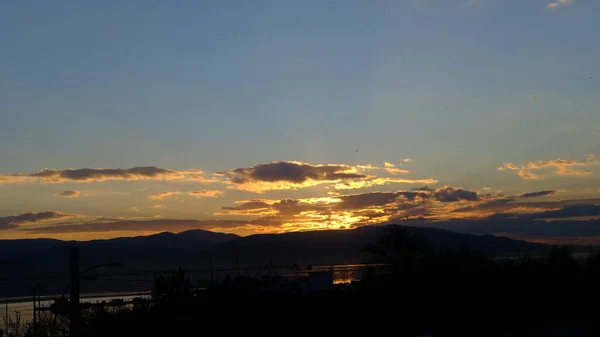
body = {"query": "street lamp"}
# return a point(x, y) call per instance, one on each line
point(75, 276)
point(114, 264)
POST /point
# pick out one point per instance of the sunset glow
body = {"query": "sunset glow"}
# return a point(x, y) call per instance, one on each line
point(255, 118)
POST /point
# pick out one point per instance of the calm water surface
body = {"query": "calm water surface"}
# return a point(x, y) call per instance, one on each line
point(24, 306)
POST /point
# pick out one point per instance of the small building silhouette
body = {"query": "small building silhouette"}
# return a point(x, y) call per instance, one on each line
point(319, 281)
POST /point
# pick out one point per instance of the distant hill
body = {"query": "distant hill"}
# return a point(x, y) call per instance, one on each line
point(343, 246)
point(43, 258)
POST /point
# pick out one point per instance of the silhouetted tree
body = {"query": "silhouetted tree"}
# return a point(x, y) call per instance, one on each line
point(398, 248)
point(561, 258)
point(171, 286)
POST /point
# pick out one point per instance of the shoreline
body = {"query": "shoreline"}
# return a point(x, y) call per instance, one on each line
point(46, 298)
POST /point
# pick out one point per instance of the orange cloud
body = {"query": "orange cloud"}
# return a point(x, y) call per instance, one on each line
point(162, 195)
point(14, 221)
point(348, 211)
point(527, 175)
point(447, 207)
point(48, 176)
point(142, 225)
point(562, 167)
point(392, 169)
point(283, 175)
point(508, 166)
point(205, 193)
point(68, 194)
point(380, 181)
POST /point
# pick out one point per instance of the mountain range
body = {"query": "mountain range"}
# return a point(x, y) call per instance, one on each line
point(43, 258)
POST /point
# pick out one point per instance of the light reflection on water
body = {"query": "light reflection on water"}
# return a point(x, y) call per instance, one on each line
point(25, 309)
point(341, 274)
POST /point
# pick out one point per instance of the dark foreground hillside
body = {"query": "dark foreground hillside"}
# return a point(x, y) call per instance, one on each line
point(414, 291)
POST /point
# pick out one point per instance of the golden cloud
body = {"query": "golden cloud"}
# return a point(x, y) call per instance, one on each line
point(283, 175)
point(392, 169)
point(449, 207)
point(348, 211)
point(68, 194)
point(350, 185)
point(48, 176)
point(527, 175)
point(205, 193)
point(14, 221)
point(561, 167)
point(133, 225)
point(162, 195)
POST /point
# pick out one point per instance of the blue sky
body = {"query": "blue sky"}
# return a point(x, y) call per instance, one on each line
point(460, 87)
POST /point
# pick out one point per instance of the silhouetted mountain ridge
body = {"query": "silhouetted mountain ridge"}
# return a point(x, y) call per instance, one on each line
point(191, 249)
point(342, 247)
point(31, 258)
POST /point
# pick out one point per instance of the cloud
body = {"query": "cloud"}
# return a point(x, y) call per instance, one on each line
point(358, 184)
point(13, 221)
point(508, 166)
point(252, 207)
point(68, 194)
point(159, 206)
point(527, 175)
point(538, 194)
point(565, 231)
point(448, 207)
point(406, 160)
point(558, 3)
point(47, 175)
point(566, 172)
point(562, 167)
point(162, 195)
point(449, 194)
point(282, 175)
point(350, 210)
point(197, 194)
point(503, 205)
point(569, 211)
point(392, 169)
point(205, 193)
point(278, 175)
point(149, 225)
point(424, 188)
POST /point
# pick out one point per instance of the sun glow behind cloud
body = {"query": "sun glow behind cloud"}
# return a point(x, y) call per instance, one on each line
point(348, 199)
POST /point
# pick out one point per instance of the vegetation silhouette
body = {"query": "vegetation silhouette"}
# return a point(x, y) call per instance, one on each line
point(413, 290)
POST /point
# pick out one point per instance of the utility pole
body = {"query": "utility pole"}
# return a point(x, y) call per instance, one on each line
point(35, 311)
point(212, 277)
point(34, 316)
point(6, 317)
point(74, 286)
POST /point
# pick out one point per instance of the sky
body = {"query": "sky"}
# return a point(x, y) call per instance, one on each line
point(122, 118)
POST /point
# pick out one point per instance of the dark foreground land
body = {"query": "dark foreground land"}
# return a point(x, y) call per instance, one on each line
point(419, 292)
